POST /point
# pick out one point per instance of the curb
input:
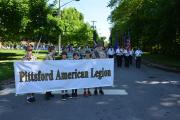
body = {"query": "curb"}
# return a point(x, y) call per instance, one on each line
point(160, 66)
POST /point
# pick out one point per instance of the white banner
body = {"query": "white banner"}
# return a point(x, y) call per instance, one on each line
point(52, 75)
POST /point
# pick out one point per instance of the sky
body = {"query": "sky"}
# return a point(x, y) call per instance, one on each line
point(93, 10)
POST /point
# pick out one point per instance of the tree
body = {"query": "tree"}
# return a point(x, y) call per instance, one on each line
point(154, 24)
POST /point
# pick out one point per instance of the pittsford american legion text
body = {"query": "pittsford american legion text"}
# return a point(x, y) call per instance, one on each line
point(26, 76)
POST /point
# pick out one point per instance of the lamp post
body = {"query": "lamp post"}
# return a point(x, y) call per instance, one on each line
point(59, 11)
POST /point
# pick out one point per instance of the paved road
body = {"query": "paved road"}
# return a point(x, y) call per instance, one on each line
point(152, 94)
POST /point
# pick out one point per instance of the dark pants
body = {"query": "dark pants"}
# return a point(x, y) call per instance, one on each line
point(119, 60)
point(126, 61)
point(130, 59)
point(138, 62)
point(111, 56)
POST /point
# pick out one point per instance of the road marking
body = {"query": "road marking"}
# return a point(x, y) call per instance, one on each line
point(80, 92)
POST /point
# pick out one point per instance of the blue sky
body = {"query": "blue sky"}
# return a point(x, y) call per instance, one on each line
point(93, 10)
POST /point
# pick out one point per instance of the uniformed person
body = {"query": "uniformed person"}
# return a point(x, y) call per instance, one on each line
point(119, 56)
point(138, 54)
point(131, 52)
point(29, 57)
point(111, 52)
point(126, 58)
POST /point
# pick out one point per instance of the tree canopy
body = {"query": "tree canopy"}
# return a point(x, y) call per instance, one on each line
point(36, 19)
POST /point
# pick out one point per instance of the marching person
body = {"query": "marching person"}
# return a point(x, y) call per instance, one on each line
point(50, 56)
point(87, 91)
point(99, 53)
point(126, 58)
point(131, 56)
point(119, 55)
point(65, 94)
point(29, 57)
point(111, 52)
point(138, 54)
point(74, 91)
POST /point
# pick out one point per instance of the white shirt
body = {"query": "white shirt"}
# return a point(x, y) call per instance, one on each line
point(131, 52)
point(138, 53)
point(110, 51)
point(119, 51)
point(126, 53)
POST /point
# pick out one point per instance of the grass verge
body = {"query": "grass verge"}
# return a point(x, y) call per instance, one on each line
point(170, 61)
point(8, 57)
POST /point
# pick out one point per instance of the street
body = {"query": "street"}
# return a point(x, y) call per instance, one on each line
point(142, 94)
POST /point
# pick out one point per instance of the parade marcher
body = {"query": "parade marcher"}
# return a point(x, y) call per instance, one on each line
point(74, 91)
point(126, 58)
point(138, 54)
point(50, 56)
point(99, 53)
point(82, 52)
point(111, 52)
point(119, 56)
point(29, 57)
point(131, 56)
point(65, 94)
point(87, 91)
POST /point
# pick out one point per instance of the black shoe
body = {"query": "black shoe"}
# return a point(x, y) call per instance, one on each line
point(51, 95)
point(68, 96)
point(30, 99)
point(73, 95)
point(89, 93)
point(95, 92)
point(63, 98)
point(101, 92)
point(85, 94)
point(76, 94)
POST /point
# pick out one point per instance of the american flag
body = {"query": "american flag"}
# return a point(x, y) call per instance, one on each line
point(116, 41)
point(127, 41)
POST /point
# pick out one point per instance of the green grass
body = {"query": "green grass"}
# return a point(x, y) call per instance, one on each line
point(7, 57)
point(171, 61)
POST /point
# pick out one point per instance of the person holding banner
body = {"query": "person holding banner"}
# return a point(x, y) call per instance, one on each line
point(74, 91)
point(99, 53)
point(87, 91)
point(29, 57)
point(50, 56)
point(65, 94)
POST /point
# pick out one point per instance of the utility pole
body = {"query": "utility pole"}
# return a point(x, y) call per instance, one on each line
point(59, 42)
point(93, 24)
point(94, 33)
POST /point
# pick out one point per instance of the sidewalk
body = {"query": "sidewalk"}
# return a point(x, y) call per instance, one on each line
point(160, 66)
